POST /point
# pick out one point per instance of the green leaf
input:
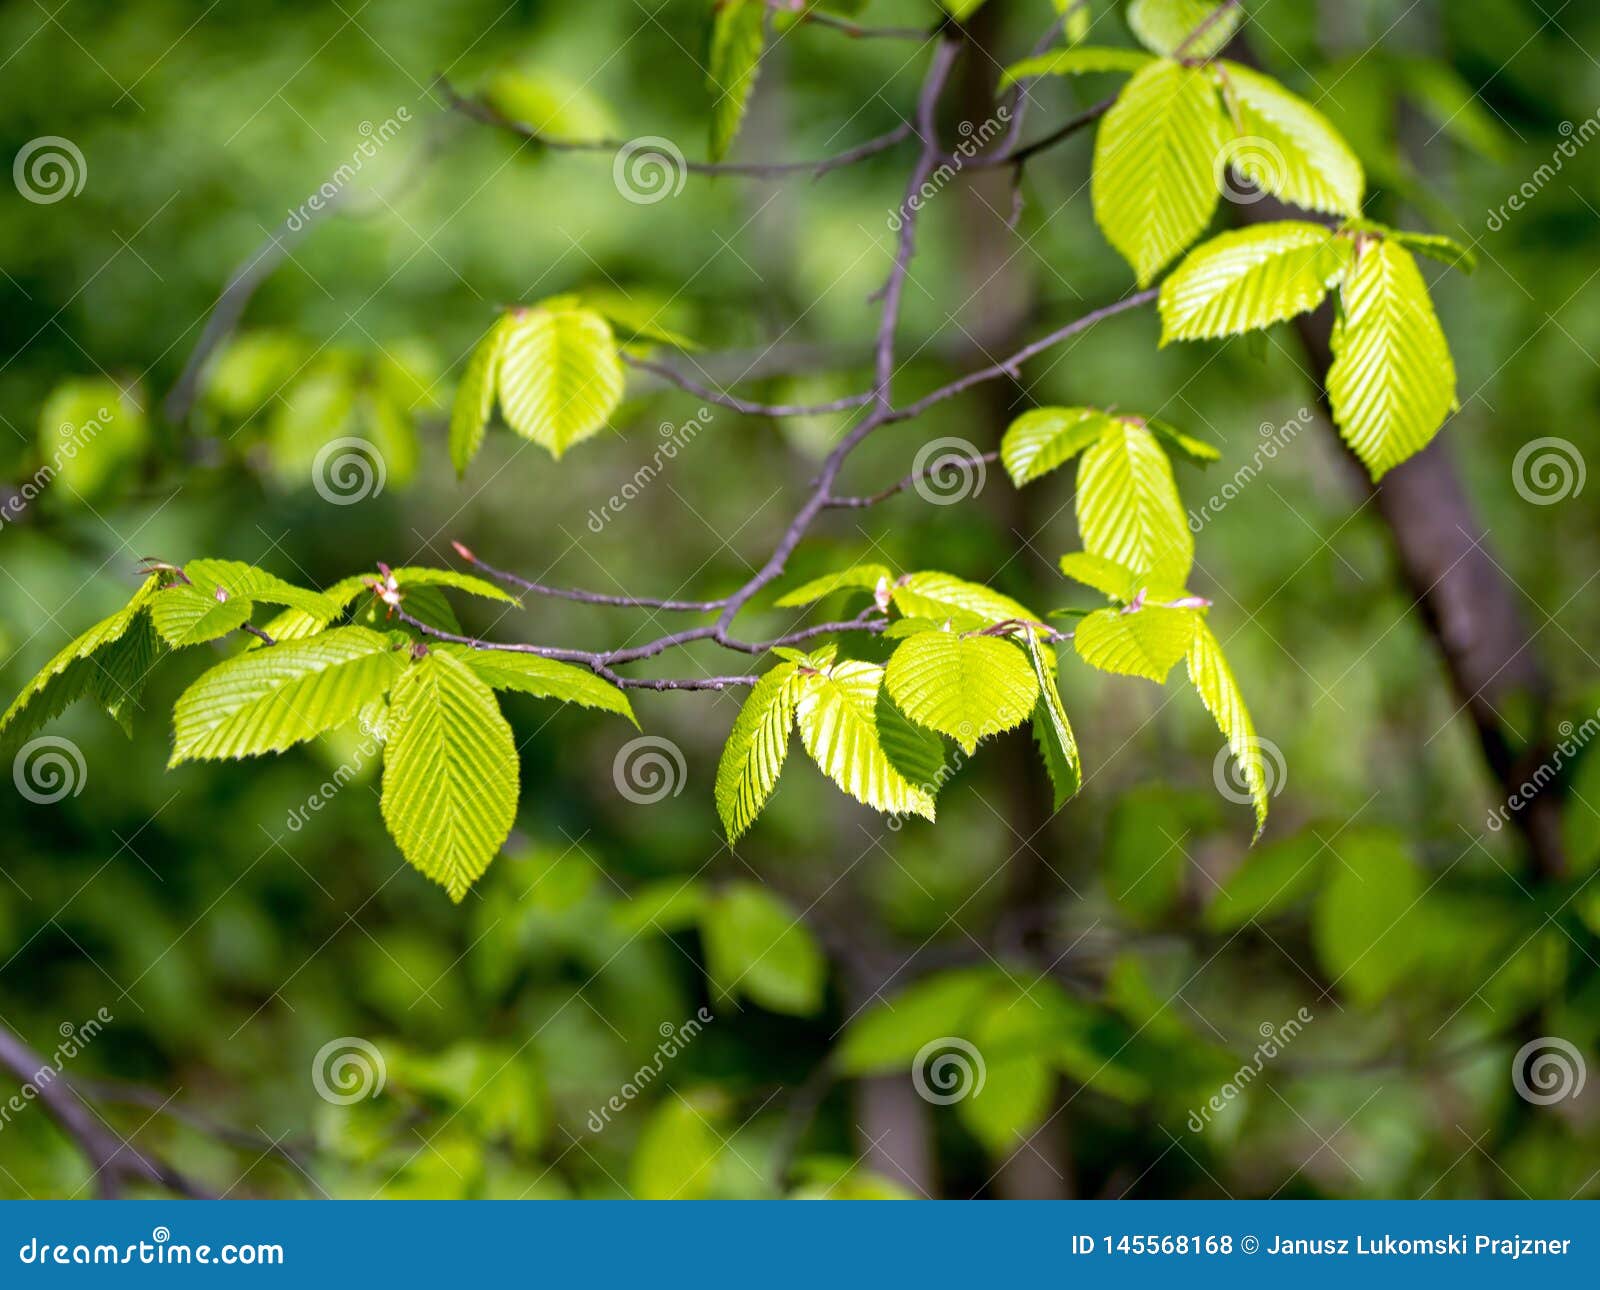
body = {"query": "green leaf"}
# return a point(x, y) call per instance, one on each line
point(862, 576)
point(1251, 277)
point(1106, 576)
point(753, 757)
point(296, 624)
point(1436, 246)
point(1039, 441)
point(1214, 682)
point(837, 712)
point(449, 771)
point(671, 905)
point(738, 39)
point(1270, 879)
point(1287, 148)
point(890, 1033)
point(941, 595)
point(967, 687)
point(1154, 182)
point(1146, 642)
point(1197, 451)
point(917, 754)
point(1080, 61)
point(1144, 854)
point(1392, 382)
point(121, 670)
point(1018, 1082)
point(1128, 507)
point(1359, 923)
point(961, 10)
point(469, 416)
point(544, 678)
point(560, 377)
point(677, 1152)
point(409, 576)
point(244, 580)
point(757, 947)
point(185, 615)
point(1167, 25)
point(266, 700)
point(1079, 15)
point(1051, 729)
point(75, 672)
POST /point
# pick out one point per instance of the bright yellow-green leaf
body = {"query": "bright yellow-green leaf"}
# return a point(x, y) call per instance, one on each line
point(1392, 381)
point(1214, 682)
point(967, 687)
point(185, 615)
point(1251, 277)
point(239, 579)
point(560, 376)
point(939, 595)
point(837, 713)
point(1146, 642)
point(1083, 60)
point(449, 771)
point(1188, 28)
point(474, 404)
point(676, 1155)
point(78, 670)
point(753, 757)
point(544, 678)
point(266, 700)
point(1106, 576)
point(1040, 440)
point(860, 576)
point(1128, 507)
point(1285, 147)
point(1154, 182)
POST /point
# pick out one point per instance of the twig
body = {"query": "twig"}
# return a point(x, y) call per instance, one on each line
point(115, 1159)
point(481, 111)
point(726, 400)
